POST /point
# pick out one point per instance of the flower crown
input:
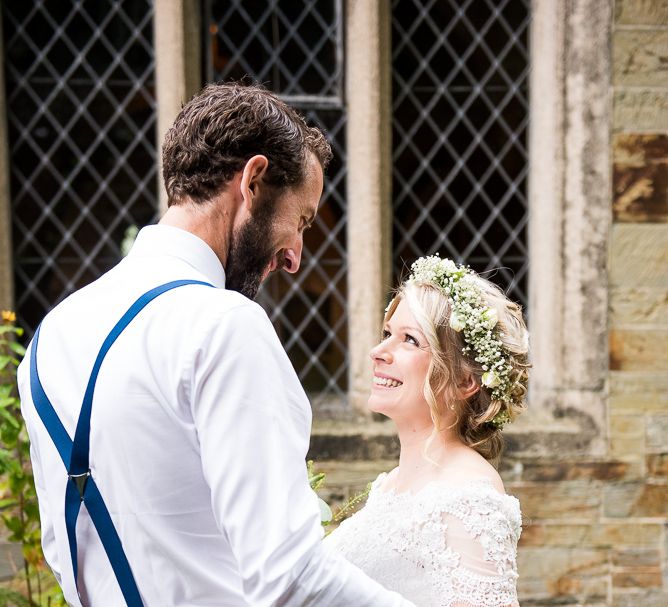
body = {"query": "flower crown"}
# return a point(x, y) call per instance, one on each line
point(470, 316)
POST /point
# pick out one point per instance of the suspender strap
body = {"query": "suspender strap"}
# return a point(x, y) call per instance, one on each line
point(75, 454)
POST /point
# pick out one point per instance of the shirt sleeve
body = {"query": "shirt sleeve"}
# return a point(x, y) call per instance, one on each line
point(253, 424)
point(49, 546)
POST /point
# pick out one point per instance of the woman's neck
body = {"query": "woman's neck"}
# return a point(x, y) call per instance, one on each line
point(423, 454)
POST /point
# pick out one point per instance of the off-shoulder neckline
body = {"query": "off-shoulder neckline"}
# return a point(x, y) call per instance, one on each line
point(475, 482)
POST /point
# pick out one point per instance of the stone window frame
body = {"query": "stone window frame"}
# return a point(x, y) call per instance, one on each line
point(570, 193)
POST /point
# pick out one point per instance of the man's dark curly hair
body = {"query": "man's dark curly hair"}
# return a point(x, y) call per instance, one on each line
point(226, 124)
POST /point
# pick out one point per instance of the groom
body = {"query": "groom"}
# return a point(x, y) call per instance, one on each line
point(187, 483)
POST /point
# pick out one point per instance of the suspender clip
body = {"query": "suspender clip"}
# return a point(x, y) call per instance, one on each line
point(80, 481)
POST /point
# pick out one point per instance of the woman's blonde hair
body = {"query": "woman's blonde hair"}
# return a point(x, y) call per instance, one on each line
point(449, 366)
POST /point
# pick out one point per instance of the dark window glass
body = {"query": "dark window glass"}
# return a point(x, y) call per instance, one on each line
point(460, 113)
point(81, 117)
point(295, 49)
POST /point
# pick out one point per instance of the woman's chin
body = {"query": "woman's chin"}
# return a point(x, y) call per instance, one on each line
point(379, 407)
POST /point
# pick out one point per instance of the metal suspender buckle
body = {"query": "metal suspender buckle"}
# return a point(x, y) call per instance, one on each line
point(80, 481)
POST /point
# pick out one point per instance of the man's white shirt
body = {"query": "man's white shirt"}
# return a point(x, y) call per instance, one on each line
point(199, 431)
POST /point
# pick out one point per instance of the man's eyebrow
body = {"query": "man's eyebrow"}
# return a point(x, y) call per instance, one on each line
point(308, 219)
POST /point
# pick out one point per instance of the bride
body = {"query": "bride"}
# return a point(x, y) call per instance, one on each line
point(450, 371)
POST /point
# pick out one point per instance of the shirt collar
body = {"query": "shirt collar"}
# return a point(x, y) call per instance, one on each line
point(160, 240)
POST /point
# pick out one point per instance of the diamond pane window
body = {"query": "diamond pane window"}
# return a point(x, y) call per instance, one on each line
point(296, 49)
point(460, 114)
point(81, 121)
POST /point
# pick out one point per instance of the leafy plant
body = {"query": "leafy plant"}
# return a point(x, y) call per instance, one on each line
point(34, 585)
point(327, 517)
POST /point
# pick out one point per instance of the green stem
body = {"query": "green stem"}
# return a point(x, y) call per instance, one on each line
point(39, 587)
point(22, 518)
point(27, 571)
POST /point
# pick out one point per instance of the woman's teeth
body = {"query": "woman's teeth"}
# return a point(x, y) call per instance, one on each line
point(385, 381)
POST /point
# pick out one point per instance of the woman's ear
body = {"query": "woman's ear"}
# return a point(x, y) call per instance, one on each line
point(468, 387)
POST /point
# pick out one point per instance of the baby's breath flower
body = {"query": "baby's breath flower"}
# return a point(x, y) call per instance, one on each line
point(456, 323)
point(475, 321)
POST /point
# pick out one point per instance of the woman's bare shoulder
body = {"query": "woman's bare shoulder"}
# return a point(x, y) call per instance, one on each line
point(470, 466)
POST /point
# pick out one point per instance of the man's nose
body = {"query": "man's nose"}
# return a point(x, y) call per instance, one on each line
point(293, 256)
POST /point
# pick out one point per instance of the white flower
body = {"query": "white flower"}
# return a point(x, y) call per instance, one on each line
point(456, 323)
point(490, 317)
point(491, 379)
point(470, 316)
point(325, 511)
point(449, 265)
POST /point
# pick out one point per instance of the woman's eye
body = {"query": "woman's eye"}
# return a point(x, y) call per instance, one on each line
point(411, 340)
point(385, 334)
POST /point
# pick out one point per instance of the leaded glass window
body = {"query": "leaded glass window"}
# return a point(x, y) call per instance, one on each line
point(296, 50)
point(81, 120)
point(460, 114)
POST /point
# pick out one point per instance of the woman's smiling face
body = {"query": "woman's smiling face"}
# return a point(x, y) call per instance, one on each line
point(400, 366)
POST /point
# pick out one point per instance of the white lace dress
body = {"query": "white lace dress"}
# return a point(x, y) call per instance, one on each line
point(447, 545)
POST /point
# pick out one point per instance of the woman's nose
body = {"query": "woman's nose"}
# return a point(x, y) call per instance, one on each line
point(381, 353)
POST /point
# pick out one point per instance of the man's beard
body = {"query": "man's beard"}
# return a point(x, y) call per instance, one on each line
point(251, 250)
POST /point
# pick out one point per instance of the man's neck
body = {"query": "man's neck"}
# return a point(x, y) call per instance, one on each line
point(211, 221)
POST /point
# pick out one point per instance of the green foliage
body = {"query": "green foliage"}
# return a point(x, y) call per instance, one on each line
point(327, 517)
point(34, 586)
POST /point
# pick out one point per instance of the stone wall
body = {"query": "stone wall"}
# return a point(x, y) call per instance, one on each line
point(595, 521)
point(595, 527)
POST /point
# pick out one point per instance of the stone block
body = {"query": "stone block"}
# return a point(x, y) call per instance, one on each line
point(650, 598)
point(572, 500)
point(638, 306)
point(637, 578)
point(644, 536)
point(576, 575)
point(639, 255)
point(657, 464)
point(640, 149)
point(638, 349)
point(641, 12)
point(640, 178)
point(627, 435)
point(635, 499)
point(11, 559)
point(638, 392)
point(640, 57)
point(639, 110)
point(636, 557)
point(537, 471)
point(533, 443)
point(354, 442)
point(657, 433)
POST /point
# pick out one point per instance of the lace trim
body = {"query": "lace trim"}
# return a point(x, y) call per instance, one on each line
point(400, 539)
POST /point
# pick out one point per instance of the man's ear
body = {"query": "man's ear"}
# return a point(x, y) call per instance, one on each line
point(252, 179)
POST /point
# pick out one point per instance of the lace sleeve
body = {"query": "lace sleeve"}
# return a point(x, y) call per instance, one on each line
point(482, 529)
point(446, 546)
